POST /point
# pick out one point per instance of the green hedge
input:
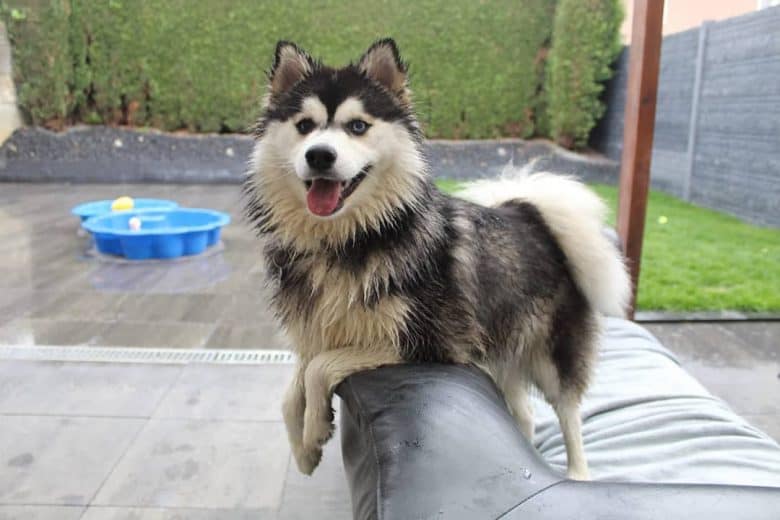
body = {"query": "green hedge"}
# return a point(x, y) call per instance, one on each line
point(39, 36)
point(586, 41)
point(477, 67)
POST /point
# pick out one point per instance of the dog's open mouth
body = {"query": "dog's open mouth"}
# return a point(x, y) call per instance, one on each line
point(324, 197)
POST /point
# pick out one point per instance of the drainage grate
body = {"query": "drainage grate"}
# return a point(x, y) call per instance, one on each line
point(146, 355)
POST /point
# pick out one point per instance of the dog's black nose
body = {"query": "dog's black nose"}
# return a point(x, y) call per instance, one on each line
point(321, 157)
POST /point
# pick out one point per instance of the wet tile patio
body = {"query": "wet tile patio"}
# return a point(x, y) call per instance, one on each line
point(56, 291)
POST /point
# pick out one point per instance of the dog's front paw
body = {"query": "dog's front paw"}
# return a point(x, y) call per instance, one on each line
point(307, 460)
point(317, 429)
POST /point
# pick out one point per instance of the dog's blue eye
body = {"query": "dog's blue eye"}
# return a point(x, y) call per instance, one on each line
point(305, 126)
point(357, 126)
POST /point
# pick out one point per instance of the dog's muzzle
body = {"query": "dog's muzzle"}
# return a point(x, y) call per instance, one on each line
point(325, 195)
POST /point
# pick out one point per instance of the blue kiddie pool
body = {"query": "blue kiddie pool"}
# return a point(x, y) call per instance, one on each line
point(103, 207)
point(145, 234)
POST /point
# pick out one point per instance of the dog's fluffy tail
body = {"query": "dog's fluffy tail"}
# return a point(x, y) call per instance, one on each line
point(575, 216)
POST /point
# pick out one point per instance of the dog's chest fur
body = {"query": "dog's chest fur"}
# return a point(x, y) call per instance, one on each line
point(326, 306)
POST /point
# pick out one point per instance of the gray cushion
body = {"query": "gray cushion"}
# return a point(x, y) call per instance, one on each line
point(646, 419)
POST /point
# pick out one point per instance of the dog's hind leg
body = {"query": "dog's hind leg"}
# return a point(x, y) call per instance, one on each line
point(323, 373)
point(515, 392)
point(524, 414)
point(568, 412)
point(565, 400)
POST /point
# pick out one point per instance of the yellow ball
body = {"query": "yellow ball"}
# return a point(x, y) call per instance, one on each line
point(122, 204)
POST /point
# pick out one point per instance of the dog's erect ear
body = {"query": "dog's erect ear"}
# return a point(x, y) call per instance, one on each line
point(291, 64)
point(383, 64)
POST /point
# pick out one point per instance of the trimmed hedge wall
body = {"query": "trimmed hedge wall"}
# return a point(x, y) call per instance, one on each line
point(586, 42)
point(477, 68)
point(40, 37)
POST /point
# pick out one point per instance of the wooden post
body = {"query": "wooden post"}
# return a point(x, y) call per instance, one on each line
point(646, 36)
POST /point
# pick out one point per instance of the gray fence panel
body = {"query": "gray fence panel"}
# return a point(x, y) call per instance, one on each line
point(607, 136)
point(673, 111)
point(732, 116)
point(737, 152)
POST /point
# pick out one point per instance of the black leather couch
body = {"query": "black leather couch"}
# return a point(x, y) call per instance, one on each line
point(437, 441)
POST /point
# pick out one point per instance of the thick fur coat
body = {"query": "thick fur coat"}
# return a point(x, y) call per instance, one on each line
point(370, 264)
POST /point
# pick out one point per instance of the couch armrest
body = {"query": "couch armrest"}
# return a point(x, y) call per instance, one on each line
point(437, 441)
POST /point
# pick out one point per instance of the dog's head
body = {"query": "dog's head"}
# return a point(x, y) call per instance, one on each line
point(338, 149)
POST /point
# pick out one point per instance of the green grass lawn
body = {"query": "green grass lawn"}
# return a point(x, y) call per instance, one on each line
point(698, 259)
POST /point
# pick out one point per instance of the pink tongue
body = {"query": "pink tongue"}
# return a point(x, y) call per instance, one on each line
point(323, 197)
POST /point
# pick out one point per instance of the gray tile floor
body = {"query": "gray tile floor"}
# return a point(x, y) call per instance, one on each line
point(738, 362)
point(158, 442)
point(154, 442)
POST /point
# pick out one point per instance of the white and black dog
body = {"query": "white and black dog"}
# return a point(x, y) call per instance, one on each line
point(371, 265)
